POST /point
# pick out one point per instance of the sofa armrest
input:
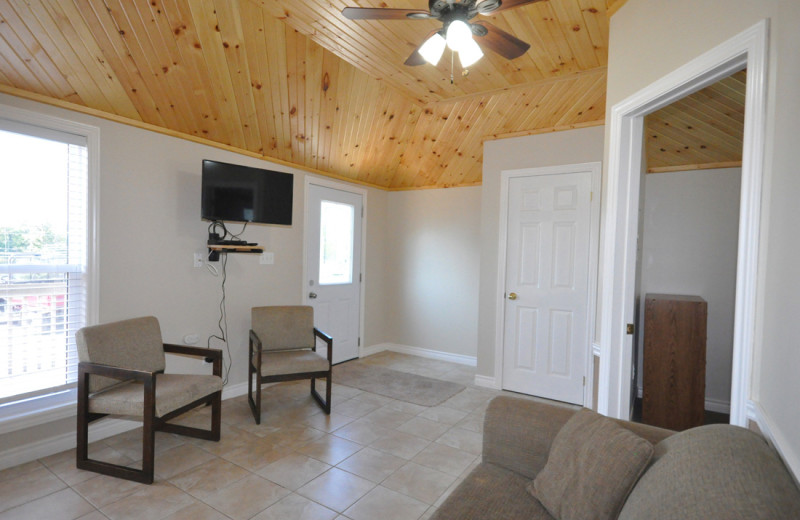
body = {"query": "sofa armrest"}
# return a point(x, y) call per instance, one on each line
point(517, 433)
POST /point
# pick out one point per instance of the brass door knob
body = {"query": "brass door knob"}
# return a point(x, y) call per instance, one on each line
point(512, 296)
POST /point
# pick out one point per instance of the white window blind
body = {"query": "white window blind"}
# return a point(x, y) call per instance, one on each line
point(43, 258)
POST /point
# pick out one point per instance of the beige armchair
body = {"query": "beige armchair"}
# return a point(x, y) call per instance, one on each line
point(121, 372)
point(283, 344)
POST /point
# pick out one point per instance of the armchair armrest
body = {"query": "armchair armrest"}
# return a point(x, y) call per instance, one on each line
point(255, 340)
point(212, 353)
point(328, 340)
point(84, 367)
point(209, 353)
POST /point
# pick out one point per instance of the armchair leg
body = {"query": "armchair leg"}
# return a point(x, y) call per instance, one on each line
point(326, 404)
point(148, 449)
point(255, 406)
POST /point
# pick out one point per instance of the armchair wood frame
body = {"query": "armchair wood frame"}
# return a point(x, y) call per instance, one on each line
point(255, 351)
point(150, 423)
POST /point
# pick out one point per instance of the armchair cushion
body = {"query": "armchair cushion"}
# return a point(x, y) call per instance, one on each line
point(283, 328)
point(135, 344)
point(172, 392)
point(292, 362)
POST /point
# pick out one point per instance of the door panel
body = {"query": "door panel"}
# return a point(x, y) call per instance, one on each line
point(546, 340)
point(334, 266)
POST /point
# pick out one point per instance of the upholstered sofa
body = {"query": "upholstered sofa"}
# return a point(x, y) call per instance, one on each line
point(711, 472)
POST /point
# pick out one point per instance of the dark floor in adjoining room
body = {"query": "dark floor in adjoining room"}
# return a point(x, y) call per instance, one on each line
point(710, 417)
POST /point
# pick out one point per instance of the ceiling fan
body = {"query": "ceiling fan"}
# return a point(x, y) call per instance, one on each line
point(457, 32)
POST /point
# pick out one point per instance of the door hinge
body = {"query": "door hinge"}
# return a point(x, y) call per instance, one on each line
point(359, 342)
point(630, 329)
point(584, 380)
point(591, 196)
point(359, 277)
point(362, 211)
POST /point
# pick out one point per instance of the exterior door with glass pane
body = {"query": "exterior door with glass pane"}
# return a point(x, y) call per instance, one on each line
point(333, 252)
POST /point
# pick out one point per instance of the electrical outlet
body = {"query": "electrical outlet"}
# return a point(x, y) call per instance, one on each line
point(198, 259)
point(266, 258)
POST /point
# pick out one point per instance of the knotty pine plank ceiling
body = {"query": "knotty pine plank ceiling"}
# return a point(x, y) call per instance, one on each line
point(295, 82)
point(701, 131)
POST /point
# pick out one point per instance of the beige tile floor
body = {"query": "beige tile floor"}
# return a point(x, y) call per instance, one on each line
point(373, 458)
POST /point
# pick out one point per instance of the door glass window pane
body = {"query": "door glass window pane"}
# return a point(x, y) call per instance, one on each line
point(336, 243)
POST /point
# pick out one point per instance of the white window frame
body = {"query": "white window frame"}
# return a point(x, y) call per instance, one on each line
point(61, 404)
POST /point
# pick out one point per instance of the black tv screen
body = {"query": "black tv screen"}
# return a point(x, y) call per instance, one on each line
point(243, 194)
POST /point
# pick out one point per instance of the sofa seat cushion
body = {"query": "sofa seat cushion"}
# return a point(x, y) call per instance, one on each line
point(714, 472)
point(592, 466)
point(172, 392)
point(491, 492)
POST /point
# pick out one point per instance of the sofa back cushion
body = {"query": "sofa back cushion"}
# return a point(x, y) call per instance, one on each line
point(592, 466)
point(714, 472)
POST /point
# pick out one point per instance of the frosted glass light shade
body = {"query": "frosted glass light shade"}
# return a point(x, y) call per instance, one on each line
point(469, 53)
point(433, 48)
point(458, 34)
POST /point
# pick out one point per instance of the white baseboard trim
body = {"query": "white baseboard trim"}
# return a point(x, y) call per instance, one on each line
point(374, 349)
point(97, 431)
point(757, 414)
point(58, 443)
point(422, 352)
point(718, 405)
point(231, 391)
point(486, 382)
point(712, 405)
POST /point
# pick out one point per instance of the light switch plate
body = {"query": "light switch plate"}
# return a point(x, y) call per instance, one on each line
point(266, 258)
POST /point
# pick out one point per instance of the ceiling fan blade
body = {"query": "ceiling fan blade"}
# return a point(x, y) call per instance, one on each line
point(499, 41)
point(378, 13)
point(416, 58)
point(508, 4)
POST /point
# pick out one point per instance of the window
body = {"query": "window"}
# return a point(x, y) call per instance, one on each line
point(336, 243)
point(45, 275)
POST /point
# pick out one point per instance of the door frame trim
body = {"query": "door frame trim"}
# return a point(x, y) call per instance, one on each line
point(621, 200)
point(595, 169)
point(349, 188)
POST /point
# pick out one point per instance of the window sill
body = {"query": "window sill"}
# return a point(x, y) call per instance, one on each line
point(39, 410)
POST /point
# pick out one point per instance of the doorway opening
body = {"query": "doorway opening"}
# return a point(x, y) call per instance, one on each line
point(617, 384)
point(687, 248)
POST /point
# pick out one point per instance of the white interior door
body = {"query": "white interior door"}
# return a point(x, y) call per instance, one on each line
point(546, 330)
point(333, 266)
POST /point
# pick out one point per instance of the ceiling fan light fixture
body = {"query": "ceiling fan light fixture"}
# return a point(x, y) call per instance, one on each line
point(458, 35)
point(433, 48)
point(469, 53)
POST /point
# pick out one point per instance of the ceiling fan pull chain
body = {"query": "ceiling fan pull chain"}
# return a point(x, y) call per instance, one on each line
point(452, 54)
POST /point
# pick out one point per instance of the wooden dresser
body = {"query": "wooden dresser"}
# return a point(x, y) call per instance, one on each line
point(674, 375)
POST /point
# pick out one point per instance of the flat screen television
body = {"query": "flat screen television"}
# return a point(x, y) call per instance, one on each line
point(237, 193)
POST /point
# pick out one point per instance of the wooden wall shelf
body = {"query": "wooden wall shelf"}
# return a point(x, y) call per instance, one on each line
point(215, 249)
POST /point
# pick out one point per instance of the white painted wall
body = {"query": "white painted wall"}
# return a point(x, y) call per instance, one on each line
point(691, 226)
point(433, 257)
point(150, 227)
point(650, 38)
point(553, 149)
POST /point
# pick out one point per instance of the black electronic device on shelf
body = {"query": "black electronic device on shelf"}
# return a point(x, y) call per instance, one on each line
point(219, 244)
